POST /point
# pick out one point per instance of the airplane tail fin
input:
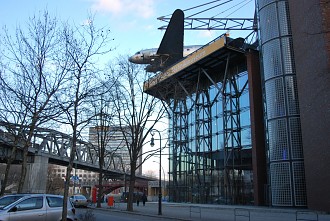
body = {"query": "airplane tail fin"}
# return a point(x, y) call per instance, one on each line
point(172, 42)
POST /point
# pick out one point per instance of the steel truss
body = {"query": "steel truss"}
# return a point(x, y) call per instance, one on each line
point(180, 140)
point(232, 138)
point(196, 166)
point(215, 23)
point(57, 147)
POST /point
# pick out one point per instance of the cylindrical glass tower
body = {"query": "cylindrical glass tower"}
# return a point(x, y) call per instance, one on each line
point(284, 138)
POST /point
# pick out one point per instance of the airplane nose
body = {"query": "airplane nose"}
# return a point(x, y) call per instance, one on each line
point(130, 59)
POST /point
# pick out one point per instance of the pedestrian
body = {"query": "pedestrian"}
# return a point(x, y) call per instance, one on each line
point(144, 199)
point(137, 199)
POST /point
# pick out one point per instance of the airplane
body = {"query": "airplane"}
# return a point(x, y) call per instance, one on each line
point(150, 56)
point(170, 49)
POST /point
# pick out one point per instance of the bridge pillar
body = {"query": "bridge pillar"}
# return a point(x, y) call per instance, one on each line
point(36, 177)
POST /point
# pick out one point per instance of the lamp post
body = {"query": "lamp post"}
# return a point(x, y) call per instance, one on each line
point(152, 143)
point(75, 179)
point(163, 176)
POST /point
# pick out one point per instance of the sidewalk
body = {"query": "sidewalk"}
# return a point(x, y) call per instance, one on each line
point(189, 212)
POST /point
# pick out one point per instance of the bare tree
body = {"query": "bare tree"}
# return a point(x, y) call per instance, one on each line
point(137, 114)
point(13, 178)
point(84, 45)
point(29, 80)
point(55, 183)
point(103, 131)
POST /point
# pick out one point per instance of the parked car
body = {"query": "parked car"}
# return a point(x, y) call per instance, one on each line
point(8, 199)
point(37, 207)
point(79, 200)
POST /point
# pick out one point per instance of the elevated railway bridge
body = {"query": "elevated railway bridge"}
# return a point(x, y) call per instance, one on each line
point(54, 147)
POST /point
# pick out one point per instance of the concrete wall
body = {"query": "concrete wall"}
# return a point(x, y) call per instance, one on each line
point(36, 178)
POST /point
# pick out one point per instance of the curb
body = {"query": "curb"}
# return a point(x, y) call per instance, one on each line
point(113, 209)
point(236, 210)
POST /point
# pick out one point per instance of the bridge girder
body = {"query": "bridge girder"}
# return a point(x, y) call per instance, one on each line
point(57, 146)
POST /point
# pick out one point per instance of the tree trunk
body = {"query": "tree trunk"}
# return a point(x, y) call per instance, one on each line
point(24, 170)
point(100, 191)
point(66, 192)
point(101, 163)
point(130, 200)
point(5, 180)
point(27, 144)
point(9, 161)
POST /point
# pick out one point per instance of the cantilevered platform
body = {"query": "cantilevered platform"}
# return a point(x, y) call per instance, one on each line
point(214, 60)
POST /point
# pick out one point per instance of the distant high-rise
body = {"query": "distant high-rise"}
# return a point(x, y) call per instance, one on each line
point(114, 142)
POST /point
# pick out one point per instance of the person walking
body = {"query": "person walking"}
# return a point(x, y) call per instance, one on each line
point(144, 199)
point(137, 199)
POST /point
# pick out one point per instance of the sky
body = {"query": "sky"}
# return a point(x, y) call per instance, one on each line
point(134, 24)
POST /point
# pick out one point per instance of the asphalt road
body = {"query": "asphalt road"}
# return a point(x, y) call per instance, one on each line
point(102, 215)
point(201, 212)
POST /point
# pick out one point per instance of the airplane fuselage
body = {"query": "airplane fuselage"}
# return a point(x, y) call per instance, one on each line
point(148, 56)
point(143, 56)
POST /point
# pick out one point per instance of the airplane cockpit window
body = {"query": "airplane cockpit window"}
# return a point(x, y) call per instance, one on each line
point(138, 52)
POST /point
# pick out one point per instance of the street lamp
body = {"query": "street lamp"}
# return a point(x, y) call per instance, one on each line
point(163, 175)
point(152, 143)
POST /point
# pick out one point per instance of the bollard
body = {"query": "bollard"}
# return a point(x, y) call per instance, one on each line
point(110, 201)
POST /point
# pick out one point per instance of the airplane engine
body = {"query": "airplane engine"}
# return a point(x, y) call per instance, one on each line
point(152, 68)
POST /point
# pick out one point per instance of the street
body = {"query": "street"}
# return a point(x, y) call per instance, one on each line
point(199, 212)
point(106, 215)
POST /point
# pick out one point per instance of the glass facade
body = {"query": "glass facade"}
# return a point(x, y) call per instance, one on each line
point(210, 143)
point(285, 151)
